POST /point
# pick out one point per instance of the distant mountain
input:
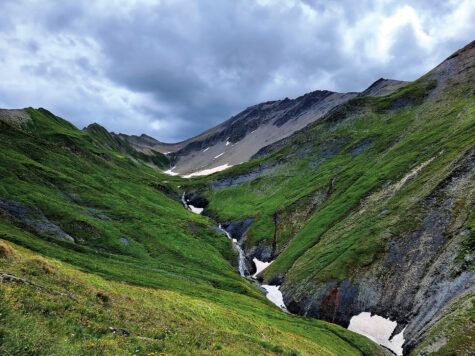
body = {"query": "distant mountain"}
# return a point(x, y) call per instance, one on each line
point(238, 139)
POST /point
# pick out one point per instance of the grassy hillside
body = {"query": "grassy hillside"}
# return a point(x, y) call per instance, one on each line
point(339, 201)
point(97, 256)
point(362, 154)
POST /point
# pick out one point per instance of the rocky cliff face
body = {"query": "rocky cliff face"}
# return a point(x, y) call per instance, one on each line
point(419, 272)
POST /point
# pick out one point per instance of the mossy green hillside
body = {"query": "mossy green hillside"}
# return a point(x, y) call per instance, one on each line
point(367, 146)
point(139, 262)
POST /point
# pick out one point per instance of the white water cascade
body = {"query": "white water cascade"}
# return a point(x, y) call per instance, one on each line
point(273, 292)
point(242, 258)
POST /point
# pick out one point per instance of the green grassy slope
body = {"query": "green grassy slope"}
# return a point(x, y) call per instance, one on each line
point(331, 199)
point(395, 143)
point(99, 249)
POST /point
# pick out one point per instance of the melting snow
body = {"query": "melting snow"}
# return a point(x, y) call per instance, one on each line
point(170, 172)
point(219, 155)
point(195, 210)
point(192, 208)
point(377, 329)
point(260, 266)
point(206, 172)
point(275, 296)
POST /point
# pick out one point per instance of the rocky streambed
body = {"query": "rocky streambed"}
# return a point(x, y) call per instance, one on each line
point(383, 331)
point(273, 292)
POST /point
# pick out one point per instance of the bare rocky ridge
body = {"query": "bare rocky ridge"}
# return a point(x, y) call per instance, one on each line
point(383, 87)
point(246, 135)
point(238, 139)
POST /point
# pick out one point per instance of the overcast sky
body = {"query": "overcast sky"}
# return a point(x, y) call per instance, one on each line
point(174, 68)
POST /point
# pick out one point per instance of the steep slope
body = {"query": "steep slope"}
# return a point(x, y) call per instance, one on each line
point(371, 208)
point(98, 256)
point(140, 148)
point(238, 139)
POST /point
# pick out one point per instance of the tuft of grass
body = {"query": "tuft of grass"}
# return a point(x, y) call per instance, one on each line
point(6, 251)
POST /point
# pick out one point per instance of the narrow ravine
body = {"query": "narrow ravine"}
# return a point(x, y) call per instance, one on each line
point(374, 327)
point(273, 292)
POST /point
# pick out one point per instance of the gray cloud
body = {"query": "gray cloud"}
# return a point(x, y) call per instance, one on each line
point(174, 68)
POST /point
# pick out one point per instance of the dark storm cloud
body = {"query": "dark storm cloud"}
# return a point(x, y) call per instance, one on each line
point(174, 68)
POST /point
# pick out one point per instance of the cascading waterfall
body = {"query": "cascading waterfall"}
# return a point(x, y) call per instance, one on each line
point(242, 259)
point(273, 292)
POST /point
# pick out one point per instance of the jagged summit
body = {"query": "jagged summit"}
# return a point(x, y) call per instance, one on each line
point(383, 87)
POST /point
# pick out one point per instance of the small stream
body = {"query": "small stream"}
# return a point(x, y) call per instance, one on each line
point(273, 292)
point(242, 257)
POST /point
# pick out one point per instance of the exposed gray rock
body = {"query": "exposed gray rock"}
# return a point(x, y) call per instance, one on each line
point(383, 87)
point(242, 136)
point(419, 273)
point(237, 228)
point(15, 117)
point(34, 219)
point(235, 180)
point(196, 200)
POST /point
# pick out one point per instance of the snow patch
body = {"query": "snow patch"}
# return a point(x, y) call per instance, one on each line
point(206, 172)
point(275, 296)
point(378, 329)
point(190, 207)
point(219, 155)
point(260, 266)
point(195, 210)
point(206, 149)
point(228, 143)
point(170, 172)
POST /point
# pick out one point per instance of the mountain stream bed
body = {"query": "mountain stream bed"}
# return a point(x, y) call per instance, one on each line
point(374, 327)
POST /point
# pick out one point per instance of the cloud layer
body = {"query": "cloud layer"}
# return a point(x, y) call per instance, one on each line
point(172, 69)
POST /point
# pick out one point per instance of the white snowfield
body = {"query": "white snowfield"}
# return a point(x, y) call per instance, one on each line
point(275, 296)
point(206, 172)
point(170, 172)
point(378, 329)
point(273, 292)
point(260, 266)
